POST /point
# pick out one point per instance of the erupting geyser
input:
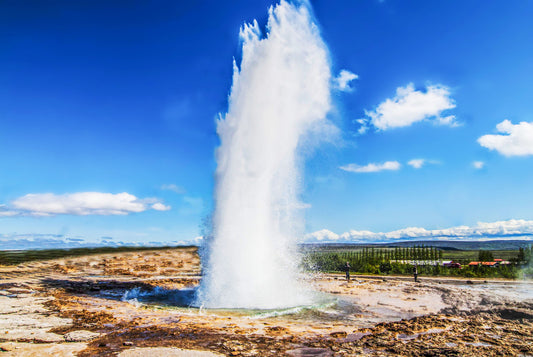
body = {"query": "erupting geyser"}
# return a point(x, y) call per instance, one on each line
point(280, 93)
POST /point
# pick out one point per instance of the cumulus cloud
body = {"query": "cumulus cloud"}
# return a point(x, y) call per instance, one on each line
point(478, 164)
point(410, 106)
point(417, 163)
point(158, 206)
point(342, 82)
point(323, 235)
point(513, 228)
point(372, 167)
point(81, 204)
point(514, 140)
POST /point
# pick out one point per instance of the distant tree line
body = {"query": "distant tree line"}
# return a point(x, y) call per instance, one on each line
point(370, 260)
point(400, 260)
point(525, 254)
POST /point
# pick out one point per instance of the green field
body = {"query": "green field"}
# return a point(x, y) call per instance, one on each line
point(14, 257)
point(472, 255)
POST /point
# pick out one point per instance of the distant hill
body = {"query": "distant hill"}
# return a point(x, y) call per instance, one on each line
point(442, 244)
point(13, 257)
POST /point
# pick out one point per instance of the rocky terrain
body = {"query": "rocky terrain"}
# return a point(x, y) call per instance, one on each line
point(135, 304)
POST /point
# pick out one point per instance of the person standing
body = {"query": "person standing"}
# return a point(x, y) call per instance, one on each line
point(415, 273)
point(347, 270)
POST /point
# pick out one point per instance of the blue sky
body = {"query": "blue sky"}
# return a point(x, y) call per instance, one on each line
point(107, 113)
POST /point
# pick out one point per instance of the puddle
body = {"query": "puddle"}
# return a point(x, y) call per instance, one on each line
point(160, 297)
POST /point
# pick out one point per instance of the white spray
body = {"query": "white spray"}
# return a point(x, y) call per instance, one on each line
point(280, 93)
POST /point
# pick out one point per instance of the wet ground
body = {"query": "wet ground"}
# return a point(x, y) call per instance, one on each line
point(119, 304)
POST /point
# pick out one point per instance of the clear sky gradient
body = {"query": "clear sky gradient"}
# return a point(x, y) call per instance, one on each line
point(107, 113)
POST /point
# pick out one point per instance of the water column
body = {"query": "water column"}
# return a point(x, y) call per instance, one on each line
point(280, 93)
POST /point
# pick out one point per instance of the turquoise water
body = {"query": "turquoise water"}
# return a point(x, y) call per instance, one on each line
point(325, 308)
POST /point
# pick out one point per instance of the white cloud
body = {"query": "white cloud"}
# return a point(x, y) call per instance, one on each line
point(7, 212)
point(342, 82)
point(363, 128)
point(514, 228)
point(388, 165)
point(410, 106)
point(175, 188)
point(82, 203)
point(478, 164)
point(160, 207)
point(323, 235)
point(36, 240)
point(514, 140)
point(417, 163)
point(43, 240)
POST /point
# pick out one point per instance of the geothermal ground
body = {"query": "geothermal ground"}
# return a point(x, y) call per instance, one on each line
point(125, 304)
